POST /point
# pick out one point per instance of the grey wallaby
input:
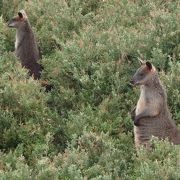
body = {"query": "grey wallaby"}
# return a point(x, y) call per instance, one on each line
point(151, 115)
point(26, 48)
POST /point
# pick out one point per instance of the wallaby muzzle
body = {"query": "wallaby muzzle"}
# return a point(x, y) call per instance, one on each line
point(132, 82)
point(10, 23)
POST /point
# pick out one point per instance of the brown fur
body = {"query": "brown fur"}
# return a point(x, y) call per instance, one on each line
point(151, 116)
point(25, 46)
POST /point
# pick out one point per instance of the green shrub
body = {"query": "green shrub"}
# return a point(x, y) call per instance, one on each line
point(25, 117)
point(82, 129)
point(94, 156)
point(163, 162)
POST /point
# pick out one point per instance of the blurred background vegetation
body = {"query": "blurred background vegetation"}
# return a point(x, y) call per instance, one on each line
point(82, 129)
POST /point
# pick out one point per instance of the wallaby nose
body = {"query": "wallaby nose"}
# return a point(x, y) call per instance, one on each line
point(131, 81)
point(8, 23)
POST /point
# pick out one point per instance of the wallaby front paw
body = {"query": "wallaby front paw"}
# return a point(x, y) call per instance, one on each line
point(136, 122)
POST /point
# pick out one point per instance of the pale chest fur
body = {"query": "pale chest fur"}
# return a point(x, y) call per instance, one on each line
point(141, 103)
point(17, 41)
point(19, 38)
point(148, 98)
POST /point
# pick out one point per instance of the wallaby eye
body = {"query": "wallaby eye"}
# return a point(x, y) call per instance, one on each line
point(141, 74)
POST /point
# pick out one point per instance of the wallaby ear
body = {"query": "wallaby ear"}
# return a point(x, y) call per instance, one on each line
point(149, 65)
point(20, 14)
point(141, 61)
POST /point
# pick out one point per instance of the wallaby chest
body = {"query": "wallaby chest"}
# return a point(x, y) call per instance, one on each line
point(146, 99)
point(19, 39)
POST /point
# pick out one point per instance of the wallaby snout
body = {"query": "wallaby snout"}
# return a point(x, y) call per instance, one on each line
point(135, 80)
point(131, 82)
point(10, 23)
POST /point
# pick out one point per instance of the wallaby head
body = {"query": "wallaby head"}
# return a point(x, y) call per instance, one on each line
point(19, 20)
point(143, 74)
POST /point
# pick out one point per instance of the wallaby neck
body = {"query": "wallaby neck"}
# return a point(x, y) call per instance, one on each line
point(25, 27)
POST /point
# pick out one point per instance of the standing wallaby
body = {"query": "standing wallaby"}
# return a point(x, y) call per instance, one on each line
point(151, 115)
point(25, 46)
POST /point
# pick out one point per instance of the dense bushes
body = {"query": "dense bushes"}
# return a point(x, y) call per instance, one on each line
point(161, 163)
point(82, 128)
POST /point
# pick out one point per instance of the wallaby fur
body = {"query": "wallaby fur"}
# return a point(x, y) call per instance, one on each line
point(151, 115)
point(26, 48)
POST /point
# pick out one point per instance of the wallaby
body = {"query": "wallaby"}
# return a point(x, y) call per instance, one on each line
point(26, 48)
point(151, 115)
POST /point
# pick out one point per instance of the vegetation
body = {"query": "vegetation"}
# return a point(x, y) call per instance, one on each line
point(82, 129)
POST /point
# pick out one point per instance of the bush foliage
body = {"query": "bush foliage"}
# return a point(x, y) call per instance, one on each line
point(82, 128)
